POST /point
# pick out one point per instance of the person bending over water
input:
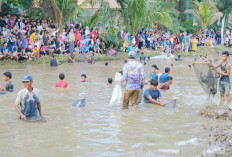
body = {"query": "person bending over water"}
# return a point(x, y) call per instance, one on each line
point(71, 58)
point(152, 94)
point(166, 85)
point(81, 102)
point(61, 83)
point(9, 86)
point(27, 103)
point(224, 82)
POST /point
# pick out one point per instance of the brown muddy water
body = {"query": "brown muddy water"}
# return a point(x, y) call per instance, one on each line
point(104, 130)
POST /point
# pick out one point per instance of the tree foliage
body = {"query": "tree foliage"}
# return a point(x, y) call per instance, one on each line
point(111, 40)
point(62, 11)
point(175, 15)
point(87, 19)
point(144, 13)
point(204, 15)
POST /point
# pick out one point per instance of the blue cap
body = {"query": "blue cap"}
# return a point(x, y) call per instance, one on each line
point(27, 78)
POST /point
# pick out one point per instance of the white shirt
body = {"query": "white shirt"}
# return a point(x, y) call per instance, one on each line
point(24, 96)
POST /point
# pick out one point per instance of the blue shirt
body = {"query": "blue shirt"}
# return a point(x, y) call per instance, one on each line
point(6, 20)
point(24, 44)
point(163, 78)
point(154, 76)
point(165, 44)
point(154, 94)
point(53, 62)
point(80, 103)
point(4, 49)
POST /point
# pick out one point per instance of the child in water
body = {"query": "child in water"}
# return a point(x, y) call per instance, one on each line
point(81, 102)
point(109, 81)
point(53, 62)
point(166, 85)
point(61, 83)
point(83, 78)
point(9, 86)
point(143, 58)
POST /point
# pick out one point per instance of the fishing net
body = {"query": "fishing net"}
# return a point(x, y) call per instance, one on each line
point(207, 77)
point(171, 104)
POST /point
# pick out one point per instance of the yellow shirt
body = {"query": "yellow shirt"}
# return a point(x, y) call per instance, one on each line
point(124, 44)
point(35, 50)
point(32, 37)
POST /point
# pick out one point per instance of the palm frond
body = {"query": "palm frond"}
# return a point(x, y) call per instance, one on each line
point(216, 17)
point(195, 14)
point(75, 12)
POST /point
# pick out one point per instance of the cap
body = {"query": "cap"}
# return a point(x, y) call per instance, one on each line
point(27, 78)
point(131, 54)
point(155, 66)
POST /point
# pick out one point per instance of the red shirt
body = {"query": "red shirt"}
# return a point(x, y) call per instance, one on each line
point(164, 86)
point(61, 84)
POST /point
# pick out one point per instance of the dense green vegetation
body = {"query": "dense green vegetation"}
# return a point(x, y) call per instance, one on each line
point(176, 15)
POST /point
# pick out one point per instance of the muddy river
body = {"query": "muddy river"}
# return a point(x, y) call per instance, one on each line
point(104, 130)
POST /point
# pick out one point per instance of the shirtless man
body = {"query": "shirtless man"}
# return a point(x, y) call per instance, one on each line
point(224, 82)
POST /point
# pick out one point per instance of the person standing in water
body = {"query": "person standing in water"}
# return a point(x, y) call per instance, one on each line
point(53, 62)
point(133, 75)
point(27, 103)
point(224, 82)
point(61, 83)
point(166, 85)
point(163, 77)
point(9, 86)
point(154, 72)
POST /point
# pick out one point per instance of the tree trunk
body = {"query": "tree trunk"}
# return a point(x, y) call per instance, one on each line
point(230, 21)
point(0, 5)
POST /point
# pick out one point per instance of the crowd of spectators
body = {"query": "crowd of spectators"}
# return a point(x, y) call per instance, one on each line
point(22, 38)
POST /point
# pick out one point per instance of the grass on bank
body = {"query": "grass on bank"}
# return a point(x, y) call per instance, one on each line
point(65, 58)
point(120, 56)
point(207, 50)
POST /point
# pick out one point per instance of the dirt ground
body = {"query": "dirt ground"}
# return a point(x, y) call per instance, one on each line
point(218, 136)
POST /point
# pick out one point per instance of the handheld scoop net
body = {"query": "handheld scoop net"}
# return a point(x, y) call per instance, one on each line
point(207, 76)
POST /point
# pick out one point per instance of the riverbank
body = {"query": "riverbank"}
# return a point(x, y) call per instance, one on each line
point(219, 135)
point(120, 56)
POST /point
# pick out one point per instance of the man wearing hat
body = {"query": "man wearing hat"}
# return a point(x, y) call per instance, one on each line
point(133, 75)
point(27, 103)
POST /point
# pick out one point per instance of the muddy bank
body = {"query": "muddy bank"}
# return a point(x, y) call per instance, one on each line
point(218, 136)
point(220, 140)
point(217, 112)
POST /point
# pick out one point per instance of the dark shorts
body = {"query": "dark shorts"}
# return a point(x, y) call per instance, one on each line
point(224, 87)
